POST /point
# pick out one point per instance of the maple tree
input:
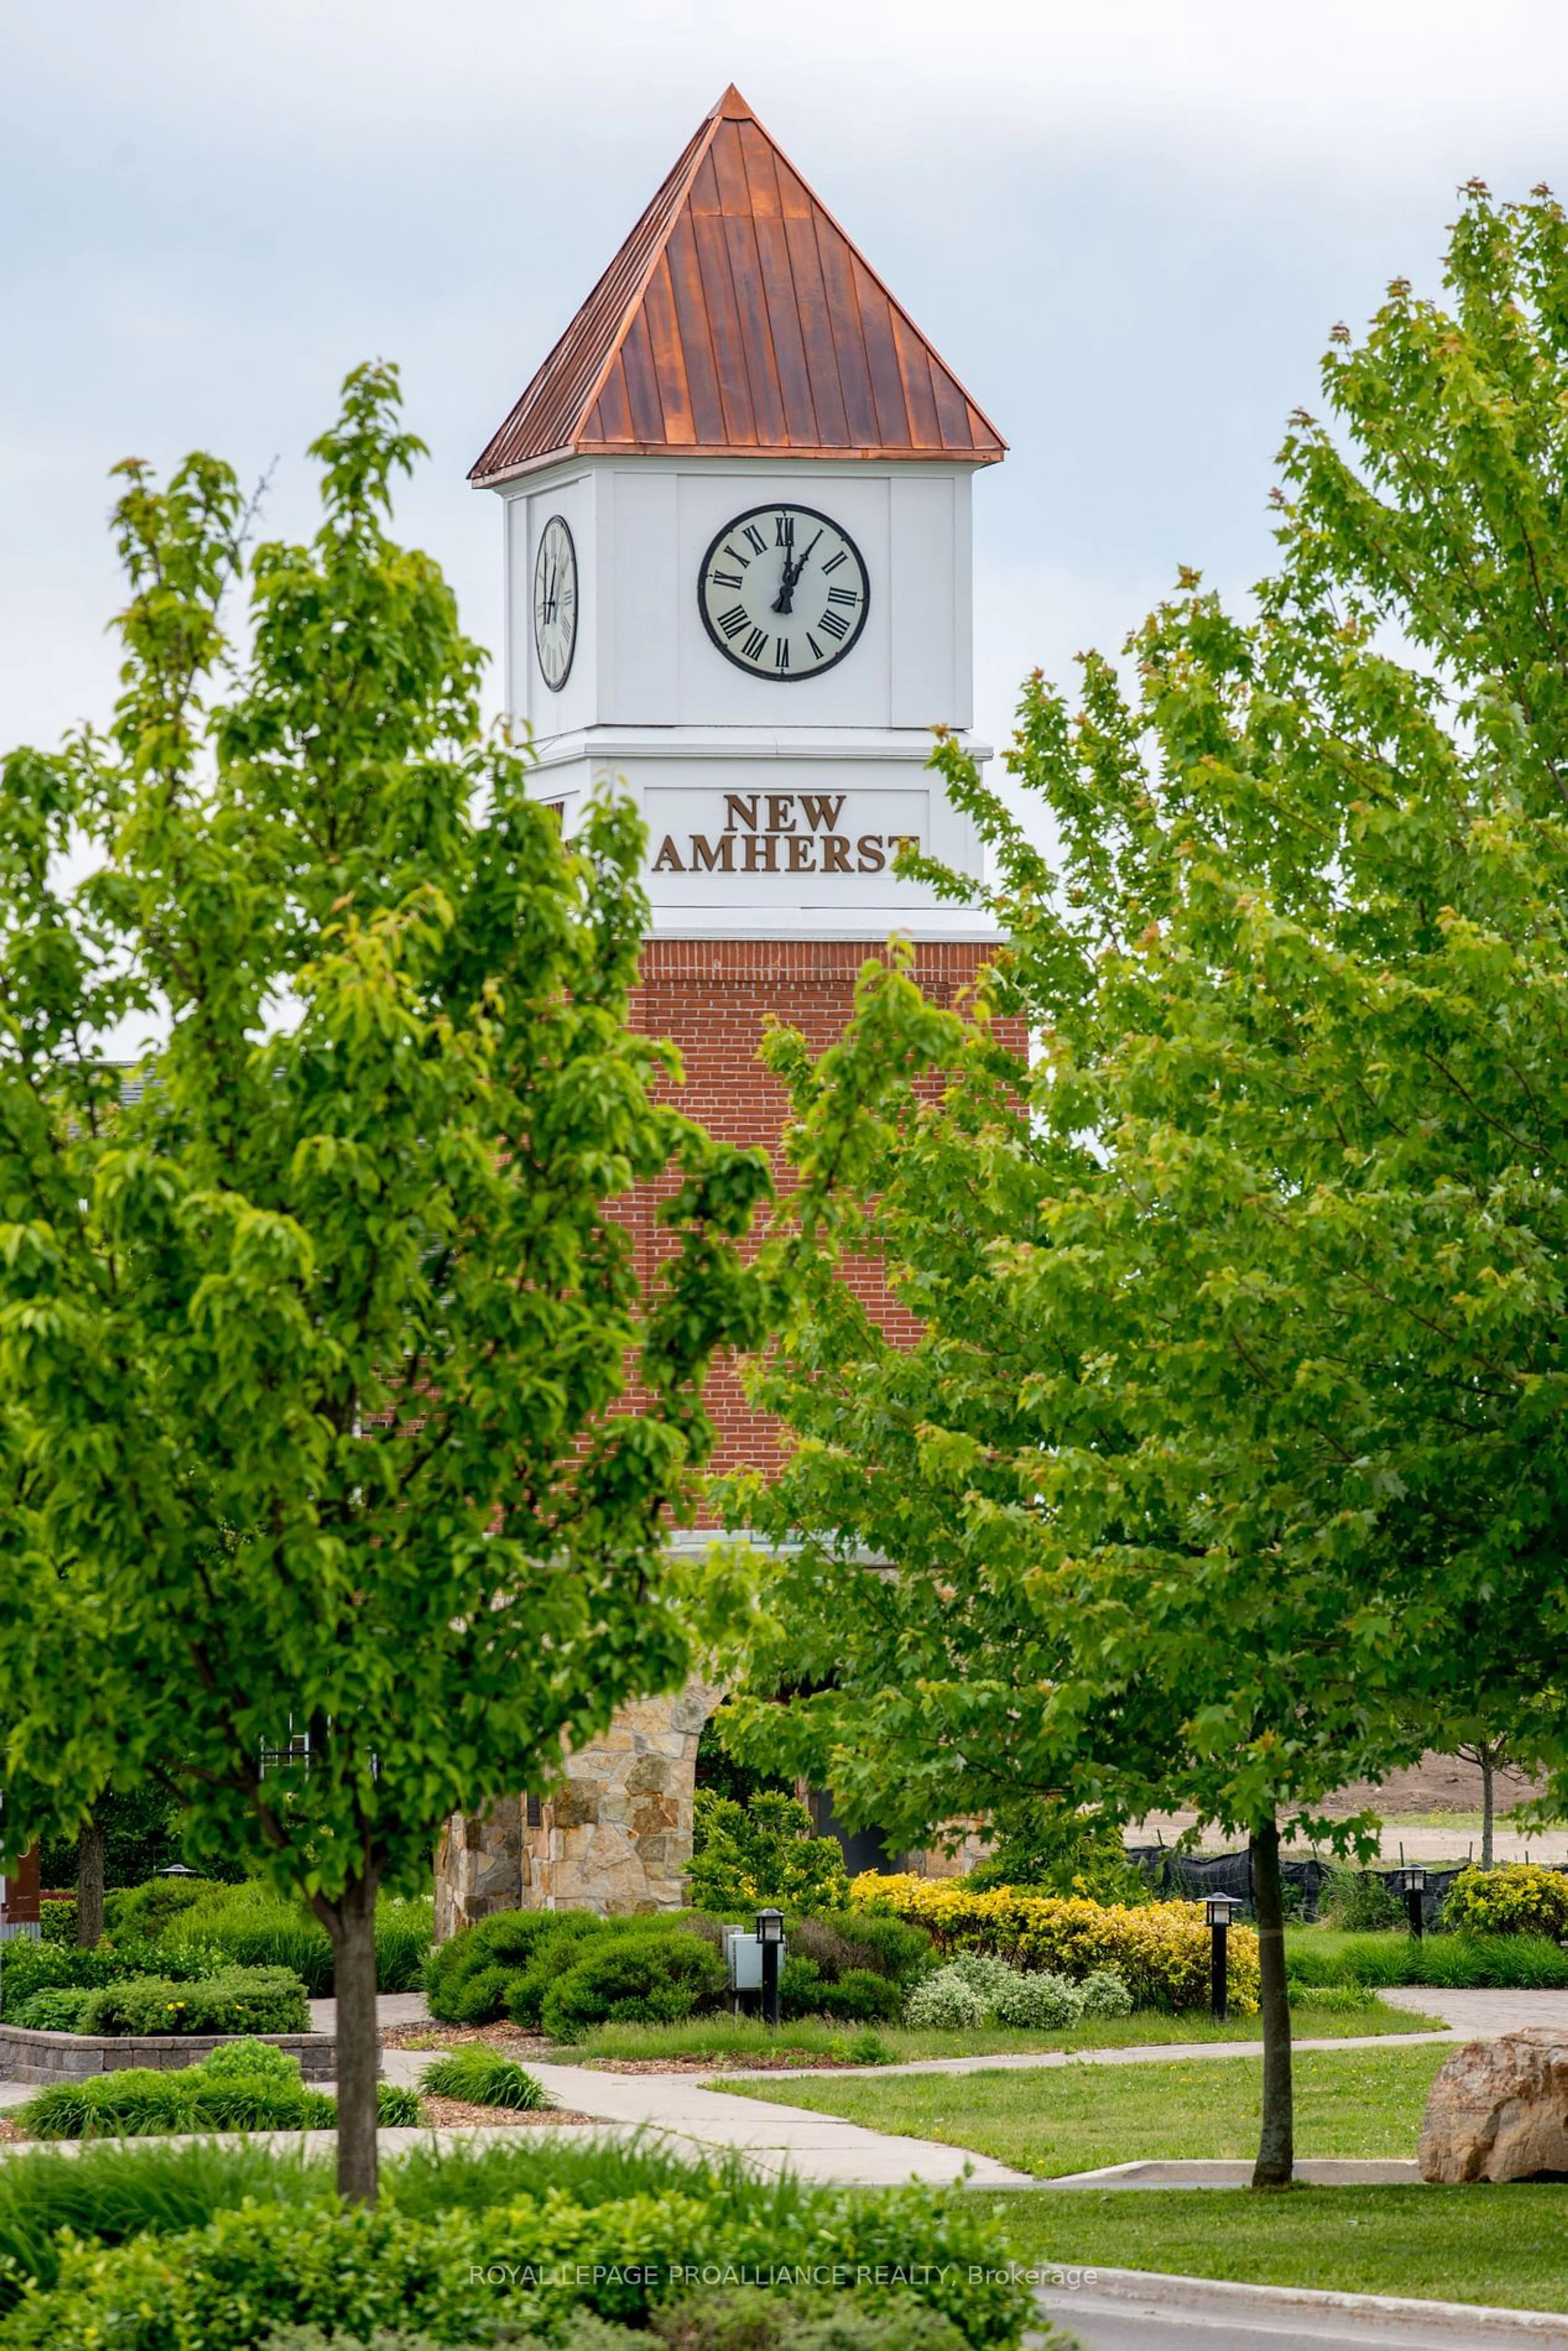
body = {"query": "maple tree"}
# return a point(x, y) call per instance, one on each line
point(342, 1433)
point(1229, 1465)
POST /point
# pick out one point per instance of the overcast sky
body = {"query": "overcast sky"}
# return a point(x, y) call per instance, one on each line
point(1128, 226)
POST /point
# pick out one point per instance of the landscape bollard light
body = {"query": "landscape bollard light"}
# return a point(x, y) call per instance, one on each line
point(771, 1935)
point(1414, 1881)
point(1217, 1908)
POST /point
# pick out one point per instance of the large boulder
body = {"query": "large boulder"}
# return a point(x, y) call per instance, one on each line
point(1498, 2110)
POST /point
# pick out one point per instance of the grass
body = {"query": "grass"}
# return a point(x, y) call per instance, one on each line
point(1362, 2101)
point(1325, 1955)
point(745, 2038)
point(1502, 2245)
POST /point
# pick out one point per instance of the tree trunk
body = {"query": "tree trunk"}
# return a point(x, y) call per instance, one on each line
point(1485, 1807)
point(352, 1923)
point(1276, 2163)
point(90, 1885)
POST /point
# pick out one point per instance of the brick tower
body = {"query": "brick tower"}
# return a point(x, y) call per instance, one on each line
point(738, 548)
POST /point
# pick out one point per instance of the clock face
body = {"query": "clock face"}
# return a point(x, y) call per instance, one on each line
point(555, 603)
point(783, 592)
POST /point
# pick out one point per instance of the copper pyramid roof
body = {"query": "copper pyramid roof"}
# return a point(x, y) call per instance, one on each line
point(738, 317)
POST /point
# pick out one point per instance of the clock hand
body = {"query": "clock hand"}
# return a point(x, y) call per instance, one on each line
point(784, 601)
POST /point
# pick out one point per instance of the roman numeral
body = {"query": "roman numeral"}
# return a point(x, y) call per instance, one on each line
point(724, 579)
point(783, 530)
point(734, 620)
point(735, 555)
point(781, 657)
point(752, 650)
point(837, 559)
point(835, 625)
point(816, 648)
point(755, 539)
point(843, 595)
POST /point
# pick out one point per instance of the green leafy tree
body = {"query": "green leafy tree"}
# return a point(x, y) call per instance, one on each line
point(1230, 1463)
point(346, 1430)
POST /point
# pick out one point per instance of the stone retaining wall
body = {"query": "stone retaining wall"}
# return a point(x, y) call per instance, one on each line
point(45, 2057)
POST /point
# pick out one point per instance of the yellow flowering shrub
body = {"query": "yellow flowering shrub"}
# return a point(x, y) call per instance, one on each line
point(1161, 1947)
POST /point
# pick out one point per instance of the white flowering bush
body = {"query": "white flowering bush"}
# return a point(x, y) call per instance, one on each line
point(1038, 2003)
point(1106, 1991)
point(983, 1973)
point(945, 2002)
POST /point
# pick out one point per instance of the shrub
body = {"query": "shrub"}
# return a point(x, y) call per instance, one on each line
point(240, 1999)
point(581, 2332)
point(945, 2002)
point(1106, 1991)
point(649, 1979)
point(258, 2059)
point(1161, 1948)
point(229, 2285)
point(57, 1920)
point(485, 2078)
point(503, 1965)
point(1518, 1898)
point(146, 1912)
point(860, 1997)
point(96, 2194)
point(29, 1967)
point(397, 2106)
point(1359, 1902)
point(54, 2009)
point(764, 1850)
point(983, 1974)
point(869, 2049)
point(1041, 2003)
point(866, 1938)
point(237, 2089)
point(800, 1987)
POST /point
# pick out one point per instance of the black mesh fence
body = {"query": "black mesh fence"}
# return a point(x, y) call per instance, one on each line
point(1194, 1874)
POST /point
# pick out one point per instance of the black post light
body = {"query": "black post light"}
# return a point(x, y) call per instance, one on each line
point(1217, 1908)
point(771, 1935)
point(1413, 1878)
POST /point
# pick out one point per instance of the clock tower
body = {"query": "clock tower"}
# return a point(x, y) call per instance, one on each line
point(737, 514)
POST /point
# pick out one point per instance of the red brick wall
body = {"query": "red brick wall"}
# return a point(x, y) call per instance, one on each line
point(712, 998)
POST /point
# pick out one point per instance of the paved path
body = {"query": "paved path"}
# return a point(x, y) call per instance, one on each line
point(1482, 2015)
point(1123, 2311)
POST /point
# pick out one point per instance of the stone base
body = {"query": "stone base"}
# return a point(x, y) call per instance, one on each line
point(614, 1837)
point(45, 2057)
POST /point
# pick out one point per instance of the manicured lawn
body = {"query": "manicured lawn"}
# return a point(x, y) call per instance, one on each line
point(1504, 2245)
point(747, 2041)
point(1362, 2101)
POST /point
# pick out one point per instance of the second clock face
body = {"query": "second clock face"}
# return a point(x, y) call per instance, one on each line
point(555, 603)
point(783, 592)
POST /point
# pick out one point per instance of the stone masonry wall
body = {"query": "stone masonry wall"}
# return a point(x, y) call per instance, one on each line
point(615, 1837)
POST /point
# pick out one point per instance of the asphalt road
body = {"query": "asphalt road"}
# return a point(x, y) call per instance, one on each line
point(1116, 2323)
